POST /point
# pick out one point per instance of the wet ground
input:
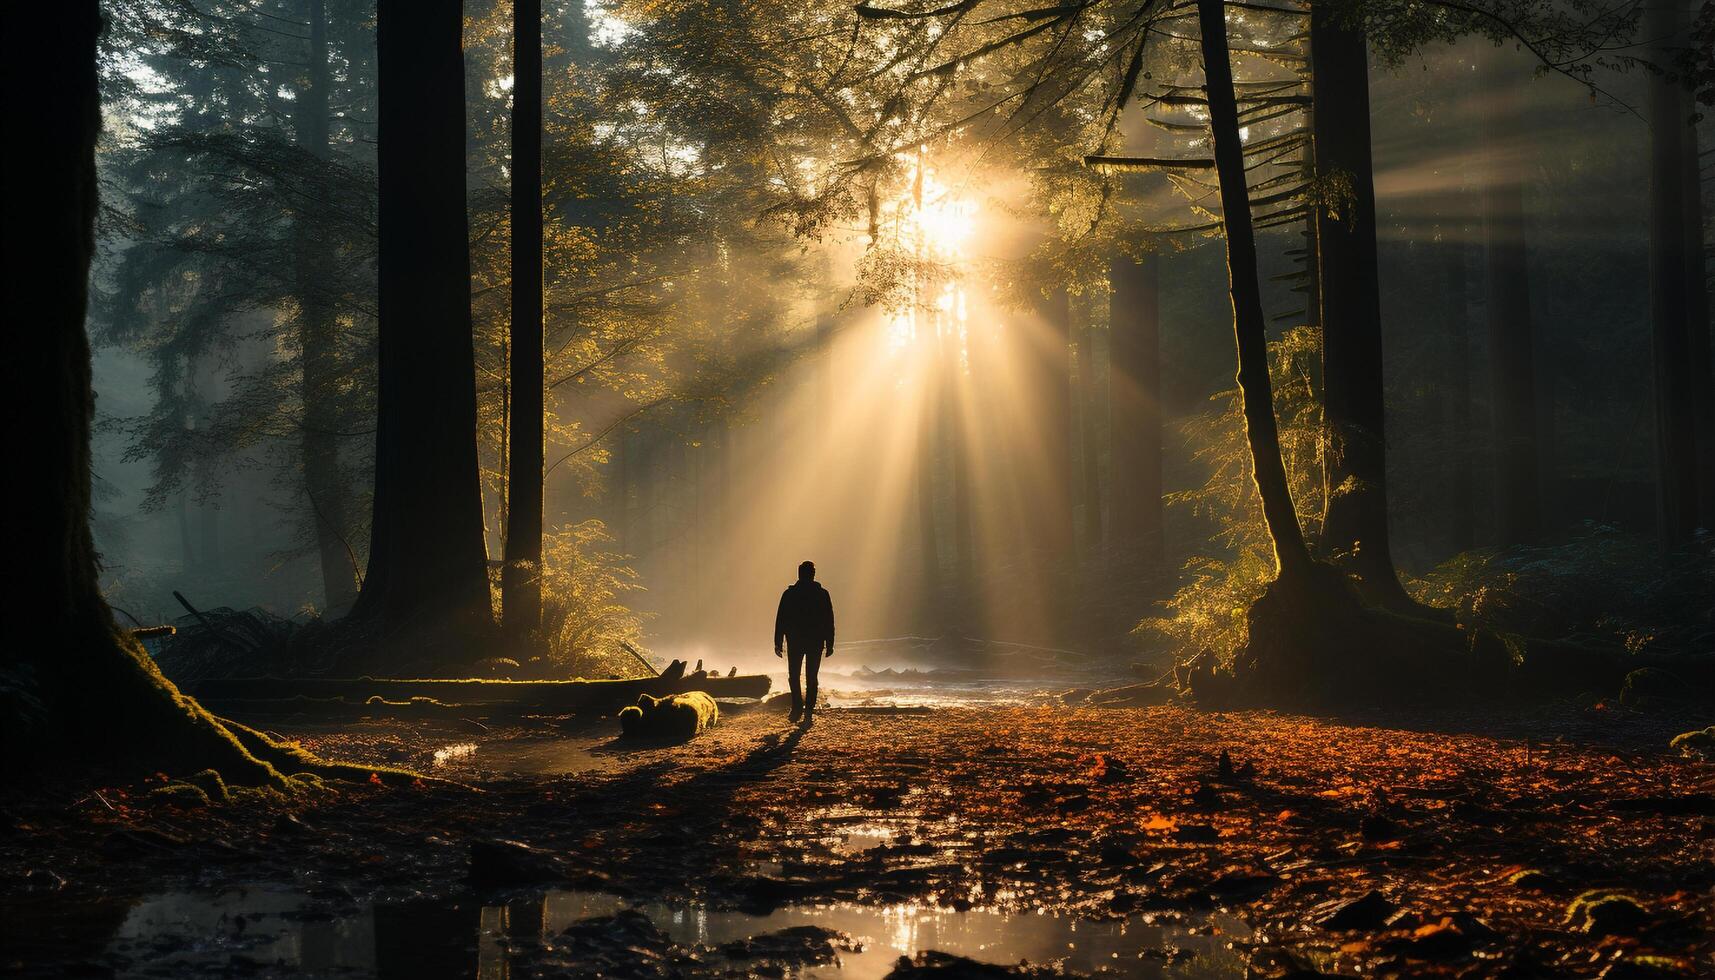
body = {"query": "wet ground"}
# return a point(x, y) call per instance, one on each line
point(1565, 841)
point(278, 931)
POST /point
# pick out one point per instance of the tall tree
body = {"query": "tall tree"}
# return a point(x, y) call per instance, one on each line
point(1134, 404)
point(1697, 321)
point(93, 696)
point(1512, 380)
point(317, 329)
point(521, 576)
point(1262, 433)
point(1456, 393)
point(1355, 520)
point(1675, 421)
point(427, 564)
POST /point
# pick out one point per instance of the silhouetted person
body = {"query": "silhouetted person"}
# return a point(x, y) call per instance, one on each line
point(806, 622)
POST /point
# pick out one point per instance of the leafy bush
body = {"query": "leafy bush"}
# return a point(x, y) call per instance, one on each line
point(583, 613)
point(1208, 610)
point(1601, 586)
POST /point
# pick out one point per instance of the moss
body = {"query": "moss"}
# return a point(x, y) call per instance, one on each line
point(209, 781)
point(1606, 912)
point(185, 795)
point(679, 716)
point(261, 794)
point(289, 757)
point(1695, 743)
point(1530, 879)
point(109, 707)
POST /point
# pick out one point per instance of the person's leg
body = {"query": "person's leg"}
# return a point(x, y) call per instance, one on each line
point(794, 657)
point(812, 666)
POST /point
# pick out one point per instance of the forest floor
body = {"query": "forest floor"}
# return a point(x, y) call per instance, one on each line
point(1564, 842)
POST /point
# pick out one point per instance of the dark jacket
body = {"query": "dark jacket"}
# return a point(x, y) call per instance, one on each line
point(806, 615)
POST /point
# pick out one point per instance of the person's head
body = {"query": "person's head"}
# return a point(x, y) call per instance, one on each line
point(807, 571)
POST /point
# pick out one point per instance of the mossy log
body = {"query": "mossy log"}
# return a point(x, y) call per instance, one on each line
point(678, 717)
point(545, 696)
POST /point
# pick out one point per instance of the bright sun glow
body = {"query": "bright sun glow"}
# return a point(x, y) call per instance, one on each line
point(933, 223)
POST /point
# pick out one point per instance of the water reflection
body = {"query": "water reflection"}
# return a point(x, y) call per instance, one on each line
point(269, 932)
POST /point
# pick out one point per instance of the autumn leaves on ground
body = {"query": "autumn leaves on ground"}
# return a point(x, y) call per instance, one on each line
point(1560, 842)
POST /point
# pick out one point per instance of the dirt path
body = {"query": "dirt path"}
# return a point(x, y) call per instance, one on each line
point(1449, 845)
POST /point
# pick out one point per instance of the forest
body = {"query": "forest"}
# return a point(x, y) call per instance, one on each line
point(1259, 454)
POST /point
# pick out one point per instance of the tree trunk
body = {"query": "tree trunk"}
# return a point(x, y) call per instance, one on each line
point(427, 565)
point(317, 348)
point(208, 519)
point(1355, 520)
point(521, 576)
point(1134, 406)
point(91, 697)
point(1262, 434)
point(1675, 419)
point(1697, 321)
point(1511, 348)
point(1456, 396)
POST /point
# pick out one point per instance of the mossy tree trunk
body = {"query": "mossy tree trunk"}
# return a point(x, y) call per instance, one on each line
point(80, 695)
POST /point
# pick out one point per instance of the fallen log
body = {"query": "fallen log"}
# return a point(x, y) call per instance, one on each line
point(1132, 696)
point(541, 696)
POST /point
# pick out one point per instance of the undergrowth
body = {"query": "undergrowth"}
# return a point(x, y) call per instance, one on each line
point(1219, 584)
point(1600, 586)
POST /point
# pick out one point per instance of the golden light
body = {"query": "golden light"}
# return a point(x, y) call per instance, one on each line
point(932, 223)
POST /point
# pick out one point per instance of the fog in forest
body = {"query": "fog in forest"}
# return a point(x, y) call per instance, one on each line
point(880, 401)
point(1230, 486)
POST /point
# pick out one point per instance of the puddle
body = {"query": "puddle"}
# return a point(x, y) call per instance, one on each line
point(270, 932)
point(459, 751)
point(863, 838)
point(528, 757)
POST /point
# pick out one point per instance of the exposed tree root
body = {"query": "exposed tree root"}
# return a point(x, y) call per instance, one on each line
point(1315, 642)
point(99, 704)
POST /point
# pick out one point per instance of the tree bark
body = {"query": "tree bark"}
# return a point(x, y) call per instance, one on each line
point(1134, 405)
point(90, 697)
point(1355, 519)
point(521, 576)
point(317, 347)
point(1675, 423)
point(1697, 322)
point(428, 566)
point(1511, 347)
point(1456, 396)
point(1262, 433)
